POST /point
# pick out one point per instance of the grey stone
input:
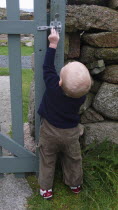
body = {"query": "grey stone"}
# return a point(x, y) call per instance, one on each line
point(66, 48)
point(113, 4)
point(86, 17)
point(95, 87)
point(101, 131)
point(110, 74)
point(96, 64)
point(91, 116)
point(31, 114)
point(3, 44)
point(106, 101)
point(107, 54)
point(89, 2)
point(87, 103)
point(91, 54)
point(102, 39)
point(87, 54)
point(29, 44)
point(97, 70)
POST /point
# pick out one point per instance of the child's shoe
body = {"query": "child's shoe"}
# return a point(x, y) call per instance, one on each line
point(46, 193)
point(76, 189)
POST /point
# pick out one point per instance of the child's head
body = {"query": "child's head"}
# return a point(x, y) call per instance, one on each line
point(75, 79)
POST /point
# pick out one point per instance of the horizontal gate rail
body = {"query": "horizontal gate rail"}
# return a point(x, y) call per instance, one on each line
point(10, 164)
point(17, 27)
point(13, 147)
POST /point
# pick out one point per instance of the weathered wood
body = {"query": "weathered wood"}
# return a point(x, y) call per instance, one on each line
point(13, 147)
point(60, 8)
point(40, 45)
point(10, 164)
point(17, 27)
point(26, 160)
point(14, 47)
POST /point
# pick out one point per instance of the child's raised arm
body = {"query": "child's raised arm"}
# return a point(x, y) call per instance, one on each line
point(53, 38)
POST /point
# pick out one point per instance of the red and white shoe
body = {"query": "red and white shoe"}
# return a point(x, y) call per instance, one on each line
point(76, 189)
point(46, 193)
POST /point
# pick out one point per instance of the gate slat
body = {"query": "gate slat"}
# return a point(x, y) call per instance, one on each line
point(40, 43)
point(17, 27)
point(59, 6)
point(15, 75)
point(18, 164)
point(14, 147)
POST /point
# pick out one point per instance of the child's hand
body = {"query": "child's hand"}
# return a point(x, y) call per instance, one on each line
point(53, 38)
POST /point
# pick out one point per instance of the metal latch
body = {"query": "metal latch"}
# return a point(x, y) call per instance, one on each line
point(57, 25)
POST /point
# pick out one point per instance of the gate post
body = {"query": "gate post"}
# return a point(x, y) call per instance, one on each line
point(40, 45)
point(15, 87)
point(59, 6)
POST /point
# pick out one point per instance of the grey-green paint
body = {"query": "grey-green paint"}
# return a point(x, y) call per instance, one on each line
point(59, 6)
point(40, 45)
point(19, 165)
point(14, 46)
point(26, 161)
point(13, 147)
point(17, 27)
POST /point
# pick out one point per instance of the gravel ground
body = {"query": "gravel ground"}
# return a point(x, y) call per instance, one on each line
point(13, 191)
point(5, 107)
point(25, 60)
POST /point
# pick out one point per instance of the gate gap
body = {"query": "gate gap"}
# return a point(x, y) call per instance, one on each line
point(27, 52)
point(26, 10)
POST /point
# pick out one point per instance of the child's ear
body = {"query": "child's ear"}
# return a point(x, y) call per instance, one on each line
point(60, 82)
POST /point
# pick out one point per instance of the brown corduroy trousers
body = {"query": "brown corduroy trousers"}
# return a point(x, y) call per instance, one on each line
point(52, 141)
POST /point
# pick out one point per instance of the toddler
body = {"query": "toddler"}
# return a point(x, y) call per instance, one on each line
point(59, 130)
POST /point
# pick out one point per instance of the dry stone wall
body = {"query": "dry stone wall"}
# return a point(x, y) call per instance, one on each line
point(92, 38)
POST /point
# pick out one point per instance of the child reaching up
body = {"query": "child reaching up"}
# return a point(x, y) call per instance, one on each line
point(59, 130)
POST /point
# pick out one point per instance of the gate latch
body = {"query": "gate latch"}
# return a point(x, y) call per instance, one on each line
point(57, 25)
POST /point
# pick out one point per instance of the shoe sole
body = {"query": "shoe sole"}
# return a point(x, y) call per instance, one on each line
point(77, 192)
point(48, 198)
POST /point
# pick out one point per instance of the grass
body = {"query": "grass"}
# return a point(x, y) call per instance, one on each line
point(25, 51)
point(100, 188)
point(100, 165)
point(27, 77)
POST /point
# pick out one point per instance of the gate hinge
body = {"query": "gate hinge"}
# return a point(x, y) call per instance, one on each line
point(57, 25)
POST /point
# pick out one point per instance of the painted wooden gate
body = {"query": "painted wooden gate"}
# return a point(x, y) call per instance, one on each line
point(23, 160)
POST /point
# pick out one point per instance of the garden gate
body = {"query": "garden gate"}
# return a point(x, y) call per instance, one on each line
point(23, 160)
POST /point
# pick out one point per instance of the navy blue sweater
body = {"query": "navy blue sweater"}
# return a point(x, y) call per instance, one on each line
point(57, 108)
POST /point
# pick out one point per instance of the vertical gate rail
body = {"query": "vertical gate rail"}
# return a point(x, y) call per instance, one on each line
point(24, 160)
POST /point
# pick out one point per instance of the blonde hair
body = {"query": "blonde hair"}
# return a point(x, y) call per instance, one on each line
point(76, 80)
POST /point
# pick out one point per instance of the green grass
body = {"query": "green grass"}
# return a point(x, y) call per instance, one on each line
point(27, 77)
point(25, 51)
point(100, 188)
point(4, 72)
point(100, 165)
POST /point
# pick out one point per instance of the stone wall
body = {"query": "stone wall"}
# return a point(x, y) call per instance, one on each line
point(92, 38)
